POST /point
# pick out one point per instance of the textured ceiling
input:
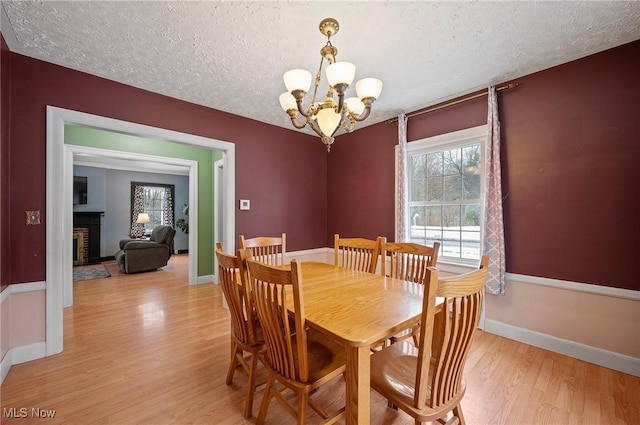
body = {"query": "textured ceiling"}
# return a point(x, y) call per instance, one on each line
point(231, 55)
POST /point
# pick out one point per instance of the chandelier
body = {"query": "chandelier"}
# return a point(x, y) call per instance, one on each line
point(327, 117)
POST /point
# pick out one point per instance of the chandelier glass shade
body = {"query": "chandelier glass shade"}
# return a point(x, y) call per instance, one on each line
point(328, 116)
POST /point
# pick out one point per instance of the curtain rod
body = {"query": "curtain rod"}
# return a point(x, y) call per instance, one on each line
point(453, 102)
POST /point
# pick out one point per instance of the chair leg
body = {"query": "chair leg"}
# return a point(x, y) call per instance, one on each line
point(248, 407)
point(453, 420)
point(266, 399)
point(232, 363)
point(303, 400)
point(457, 411)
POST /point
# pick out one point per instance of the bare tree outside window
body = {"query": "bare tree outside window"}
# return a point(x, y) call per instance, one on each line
point(445, 199)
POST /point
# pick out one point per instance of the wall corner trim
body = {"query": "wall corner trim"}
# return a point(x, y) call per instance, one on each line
point(598, 356)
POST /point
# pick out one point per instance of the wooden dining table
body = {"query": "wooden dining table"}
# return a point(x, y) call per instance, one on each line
point(358, 309)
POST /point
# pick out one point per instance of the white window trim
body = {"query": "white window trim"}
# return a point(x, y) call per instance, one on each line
point(443, 141)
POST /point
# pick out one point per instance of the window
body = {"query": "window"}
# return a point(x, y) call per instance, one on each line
point(445, 192)
point(154, 199)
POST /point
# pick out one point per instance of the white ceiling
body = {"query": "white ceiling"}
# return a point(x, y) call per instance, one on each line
point(231, 55)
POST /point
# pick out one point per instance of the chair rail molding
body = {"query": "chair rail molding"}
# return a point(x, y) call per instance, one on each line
point(576, 286)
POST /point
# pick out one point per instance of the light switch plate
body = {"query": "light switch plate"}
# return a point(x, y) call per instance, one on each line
point(245, 204)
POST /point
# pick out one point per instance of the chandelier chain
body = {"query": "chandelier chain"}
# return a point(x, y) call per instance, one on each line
point(317, 82)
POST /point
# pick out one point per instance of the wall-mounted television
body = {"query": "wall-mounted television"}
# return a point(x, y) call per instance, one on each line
point(79, 190)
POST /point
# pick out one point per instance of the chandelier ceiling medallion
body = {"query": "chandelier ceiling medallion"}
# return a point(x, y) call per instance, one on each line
point(326, 118)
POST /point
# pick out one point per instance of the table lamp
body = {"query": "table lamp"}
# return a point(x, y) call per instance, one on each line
point(143, 218)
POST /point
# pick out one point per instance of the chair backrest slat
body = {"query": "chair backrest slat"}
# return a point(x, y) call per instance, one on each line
point(286, 348)
point(266, 249)
point(357, 253)
point(408, 260)
point(425, 337)
point(233, 280)
point(454, 333)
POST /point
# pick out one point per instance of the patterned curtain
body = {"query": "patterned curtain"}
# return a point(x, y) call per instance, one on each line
point(168, 207)
point(137, 230)
point(493, 238)
point(402, 201)
point(151, 196)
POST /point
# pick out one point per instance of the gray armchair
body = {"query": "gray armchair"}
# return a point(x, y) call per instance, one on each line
point(138, 255)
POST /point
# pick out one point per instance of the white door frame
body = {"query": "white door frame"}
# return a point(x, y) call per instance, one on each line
point(218, 190)
point(59, 217)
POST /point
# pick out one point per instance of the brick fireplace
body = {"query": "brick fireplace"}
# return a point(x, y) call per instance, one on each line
point(80, 246)
point(86, 237)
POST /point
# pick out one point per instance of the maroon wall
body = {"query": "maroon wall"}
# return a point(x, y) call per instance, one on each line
point(5, 86)
point(570, 148)
point(282, 171)
point(570, 140)
point(360, 181)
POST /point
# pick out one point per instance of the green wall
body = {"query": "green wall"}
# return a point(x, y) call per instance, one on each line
point(83, 136)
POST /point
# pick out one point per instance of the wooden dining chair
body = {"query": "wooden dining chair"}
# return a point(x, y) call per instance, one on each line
point(298, 359)
point(246, 335)
point(357, 253)
point(408, 261)
point(267, 249)
point(426, 381)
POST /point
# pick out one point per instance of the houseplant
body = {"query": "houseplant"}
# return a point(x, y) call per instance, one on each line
point(182, 223)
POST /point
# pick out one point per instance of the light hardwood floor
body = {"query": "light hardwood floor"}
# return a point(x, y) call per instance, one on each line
point(150, 349)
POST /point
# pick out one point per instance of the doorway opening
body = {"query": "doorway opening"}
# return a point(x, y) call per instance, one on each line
point(59, 187)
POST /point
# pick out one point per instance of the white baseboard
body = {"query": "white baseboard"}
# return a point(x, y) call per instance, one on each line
point(598, 356)
point(22, 354)
point(316, 254)
point(205, 279)
point(312, 251)
point(29, 352)
point(5, 365)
